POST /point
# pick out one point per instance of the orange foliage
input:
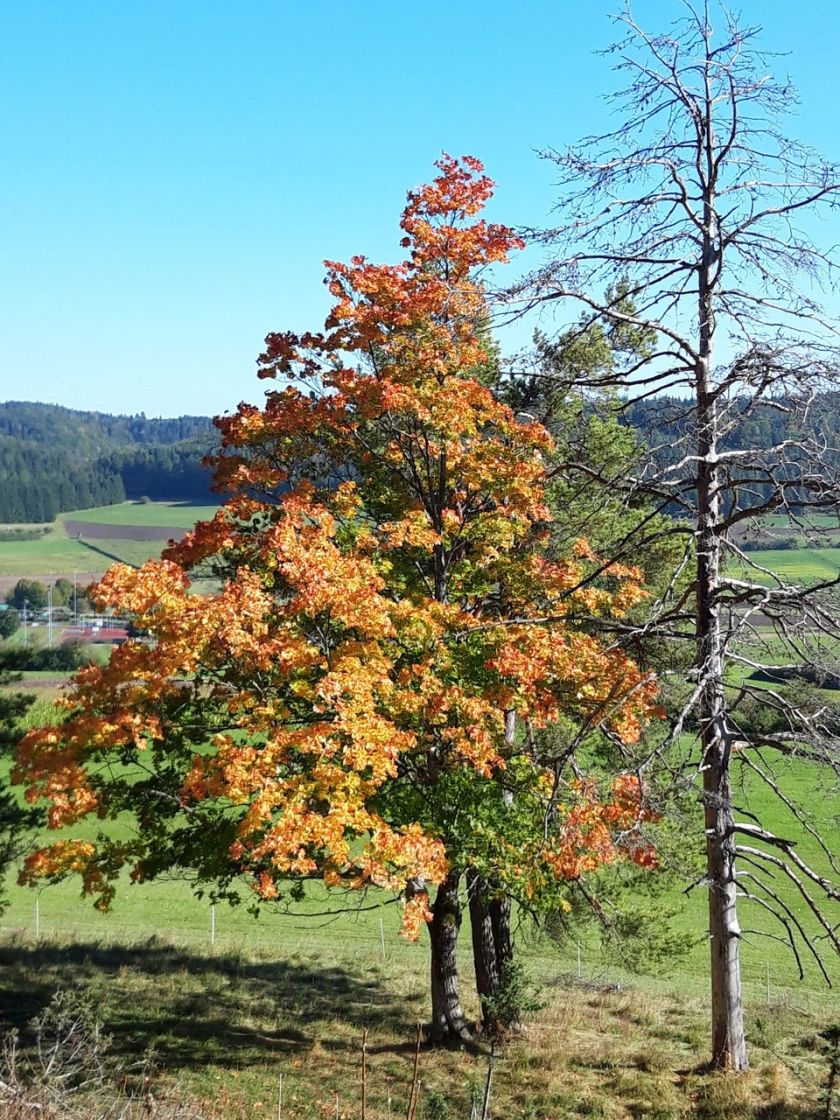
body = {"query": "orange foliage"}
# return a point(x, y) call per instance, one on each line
point(386, 599)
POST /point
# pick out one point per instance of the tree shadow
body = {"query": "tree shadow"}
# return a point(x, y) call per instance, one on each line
point(195, 1010)
point(112, 556)
point(831, 1038)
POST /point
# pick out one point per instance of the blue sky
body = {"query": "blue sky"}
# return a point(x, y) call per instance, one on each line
point(174, 171)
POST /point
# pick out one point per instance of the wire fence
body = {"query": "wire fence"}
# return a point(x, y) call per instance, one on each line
point(370, 938)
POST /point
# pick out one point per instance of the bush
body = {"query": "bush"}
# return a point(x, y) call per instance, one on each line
point(23, 534)
point(69, 1075)
point(9, 622)
point(767, 542)
point(48, 659)
point(516, 996)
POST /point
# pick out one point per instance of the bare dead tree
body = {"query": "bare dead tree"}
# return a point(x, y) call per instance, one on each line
point(696, 211)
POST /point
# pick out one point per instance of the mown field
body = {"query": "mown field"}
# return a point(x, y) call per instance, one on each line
point(233, 1002)
point(59, 553)
point(795, 565)
point(285, 999)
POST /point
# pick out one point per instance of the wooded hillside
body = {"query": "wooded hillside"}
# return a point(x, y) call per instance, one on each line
point(54, 459)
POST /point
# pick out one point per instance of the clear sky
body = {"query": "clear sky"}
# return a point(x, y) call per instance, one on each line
point(173, 172)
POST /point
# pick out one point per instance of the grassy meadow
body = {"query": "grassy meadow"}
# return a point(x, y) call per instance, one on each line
point(285, 998)
point(265, 1016)
point(235, 1005)
point(58, 553)
point(174, 515)
point(796, 565)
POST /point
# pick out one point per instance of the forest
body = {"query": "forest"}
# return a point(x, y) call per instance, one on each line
point(54, 459)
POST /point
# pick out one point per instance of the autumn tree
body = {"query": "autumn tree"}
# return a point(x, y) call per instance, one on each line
point(696, 208)
point(338, 708)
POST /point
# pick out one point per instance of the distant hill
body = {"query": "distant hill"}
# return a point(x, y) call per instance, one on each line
point(54, 459)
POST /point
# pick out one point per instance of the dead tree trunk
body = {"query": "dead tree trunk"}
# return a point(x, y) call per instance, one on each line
point(685, 214)
point(729, 1049)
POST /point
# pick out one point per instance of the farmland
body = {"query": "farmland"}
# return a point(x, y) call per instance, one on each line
point(62, 550)
point(287, 996)
point(797, 565)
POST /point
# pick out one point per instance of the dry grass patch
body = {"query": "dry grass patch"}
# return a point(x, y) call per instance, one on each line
point(228, 1028)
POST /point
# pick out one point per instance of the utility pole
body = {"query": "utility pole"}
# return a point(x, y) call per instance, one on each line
point(49, 614)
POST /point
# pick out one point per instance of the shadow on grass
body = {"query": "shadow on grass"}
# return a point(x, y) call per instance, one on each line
point(195, 1010)
point(831, 1037)
point(112, 556)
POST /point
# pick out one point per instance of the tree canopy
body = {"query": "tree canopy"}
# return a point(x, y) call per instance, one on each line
point(338, 707)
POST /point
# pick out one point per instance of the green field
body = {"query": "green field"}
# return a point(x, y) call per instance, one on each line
point(287, 995)
point(817, 520)
point(59, 554)
point(175, 515)
point(796, 565)
point(233, 1003)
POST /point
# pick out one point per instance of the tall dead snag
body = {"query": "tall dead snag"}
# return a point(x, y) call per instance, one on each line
point(696, 210)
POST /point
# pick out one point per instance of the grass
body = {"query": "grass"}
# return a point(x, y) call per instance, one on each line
point(175, 515)
point(227, 1024)
point(289, 995)
point(818, 520)
point(796, 565)
point(58, 554)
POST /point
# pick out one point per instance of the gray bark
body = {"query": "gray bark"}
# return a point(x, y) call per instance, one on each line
point(689, 209)
point(448, 1027)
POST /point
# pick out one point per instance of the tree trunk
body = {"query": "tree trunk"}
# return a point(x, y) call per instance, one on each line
point(729, 1048)
point(483, 944)
point(500, 918)
point(448, 1024)
point(492, 951)
point(490, 922)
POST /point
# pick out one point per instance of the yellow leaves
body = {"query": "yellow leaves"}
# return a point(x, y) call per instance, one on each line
point(320, 577)
point(416, 913)
point(346, 500)
point(57, 860)
point(69, 857)
point(411, 531)
point(550, 673)
point(363, 637)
